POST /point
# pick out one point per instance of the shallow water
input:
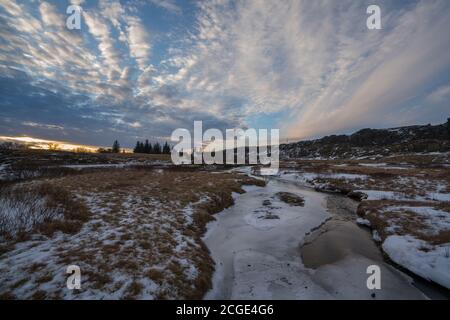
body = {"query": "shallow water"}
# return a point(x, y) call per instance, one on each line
point(339, 237)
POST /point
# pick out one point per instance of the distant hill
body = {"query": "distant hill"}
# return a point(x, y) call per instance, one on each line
point(368, 142)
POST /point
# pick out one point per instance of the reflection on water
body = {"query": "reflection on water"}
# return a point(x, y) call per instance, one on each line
point(341, 237)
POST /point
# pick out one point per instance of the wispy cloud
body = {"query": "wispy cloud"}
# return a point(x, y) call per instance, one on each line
point(169, 5)
point(441, 94)
point(307, 67)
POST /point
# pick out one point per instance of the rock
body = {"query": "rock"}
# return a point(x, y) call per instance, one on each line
point(291, 199)
point(357, 195)
point(271, 216)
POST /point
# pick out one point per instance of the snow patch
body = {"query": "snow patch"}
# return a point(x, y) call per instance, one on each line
point(426, 260)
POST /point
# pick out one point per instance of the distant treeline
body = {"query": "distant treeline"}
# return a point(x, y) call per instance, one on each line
point(147, 147)
point(115, 148)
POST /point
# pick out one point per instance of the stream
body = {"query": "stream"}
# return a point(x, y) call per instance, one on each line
point(265, 248)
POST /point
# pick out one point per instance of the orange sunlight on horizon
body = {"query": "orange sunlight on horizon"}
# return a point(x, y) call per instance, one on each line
point(36, 143)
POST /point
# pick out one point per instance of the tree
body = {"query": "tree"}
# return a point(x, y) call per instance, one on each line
point(141, 147)
point(147, 147)
point(137, 148)
point(166, 148)
point(53, 146)
point(157, 148)
point(82, 150)
point(116, 147)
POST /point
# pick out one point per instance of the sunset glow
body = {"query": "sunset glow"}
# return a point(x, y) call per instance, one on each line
point(35, 143)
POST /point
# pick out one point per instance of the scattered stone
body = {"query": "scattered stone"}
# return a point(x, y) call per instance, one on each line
point(271, 216)
point(363, 222)
point(357, 195)
point(267, 202)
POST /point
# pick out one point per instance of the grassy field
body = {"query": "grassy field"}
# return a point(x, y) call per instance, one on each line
point(134, 223)
point(135, 231)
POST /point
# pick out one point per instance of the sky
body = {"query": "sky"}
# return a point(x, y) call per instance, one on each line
point(139, 69)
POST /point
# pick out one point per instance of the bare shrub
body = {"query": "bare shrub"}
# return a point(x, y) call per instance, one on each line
point(38, 207)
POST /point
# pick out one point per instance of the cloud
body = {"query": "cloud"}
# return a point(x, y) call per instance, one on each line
point(315, 61)
point(138, 41)
point(388, 76)
point(100, 30)
point(168, 5)
point(307, 67)
point(441, 94)
point(42, 125)
point(112, 10)
point(49, 15)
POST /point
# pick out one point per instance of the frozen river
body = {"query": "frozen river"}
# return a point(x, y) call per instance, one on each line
point(257, 242)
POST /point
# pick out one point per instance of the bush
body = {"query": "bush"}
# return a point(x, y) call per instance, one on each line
point(38, 207)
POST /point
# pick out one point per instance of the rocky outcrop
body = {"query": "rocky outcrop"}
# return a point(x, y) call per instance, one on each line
point(370, 142)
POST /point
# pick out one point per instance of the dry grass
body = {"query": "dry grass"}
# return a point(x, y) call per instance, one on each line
point(144, 225)
point(416, 175)
point(408, 177)
point(39, 208)
point(383, 213)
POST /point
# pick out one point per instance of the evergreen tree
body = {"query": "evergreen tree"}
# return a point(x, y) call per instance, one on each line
point(147, 147)
point(115, 147)
point(150, 148)
point(157, 148)
point(166, 148)
point(136, 148)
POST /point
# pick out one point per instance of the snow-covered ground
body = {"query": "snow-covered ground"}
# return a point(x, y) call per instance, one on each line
point(417, 188)
point(414, 237)
point(397, 195)
point(307, 178)
point(384, 166)
point(86, 249)
point(431, 262)
point(22, 214)
point(140, 239)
